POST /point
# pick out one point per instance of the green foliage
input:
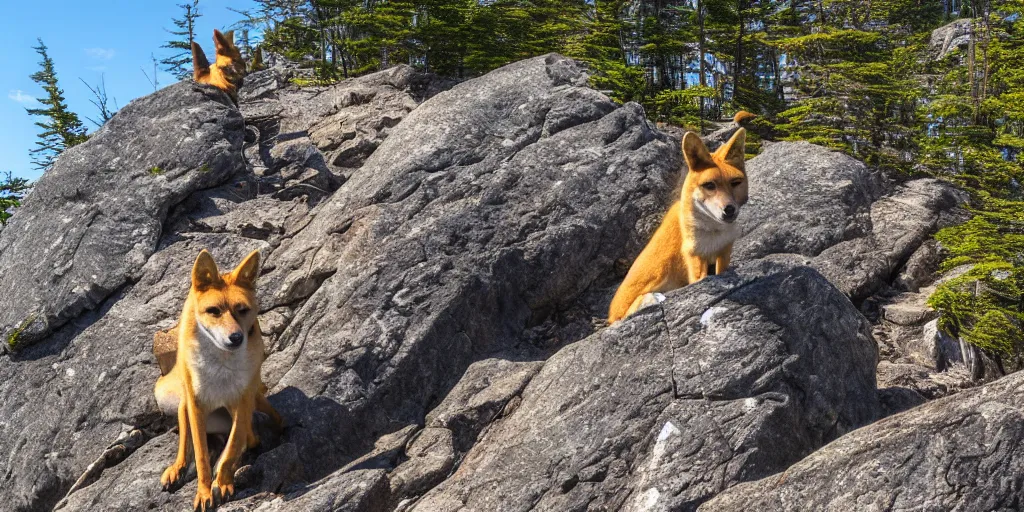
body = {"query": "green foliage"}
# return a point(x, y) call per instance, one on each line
point(313, 81)
point(983, 306)
point(680, 107)
point(15, 334)
point(156, 170)
point(858, 95)
point(457, 38)
point(61, 127)
point(12, 191)
point(973, 138)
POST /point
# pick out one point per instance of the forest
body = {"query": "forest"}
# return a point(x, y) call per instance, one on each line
point(862, 76)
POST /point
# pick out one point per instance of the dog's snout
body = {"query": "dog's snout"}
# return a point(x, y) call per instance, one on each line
point(236, 338)
point(730, 210)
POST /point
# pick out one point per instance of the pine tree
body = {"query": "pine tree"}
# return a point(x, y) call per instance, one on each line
point(12, 190)
point(61, 127)
point(180, 63)
point(601, 45)
point(975, 138)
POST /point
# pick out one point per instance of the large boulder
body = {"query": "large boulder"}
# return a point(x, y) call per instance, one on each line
point(483, 214)
point(804, 199)
point(486, 210)
point(96, 216)
point(728, 380)
point(960, 453)
point(81, 370)
point(812, 206)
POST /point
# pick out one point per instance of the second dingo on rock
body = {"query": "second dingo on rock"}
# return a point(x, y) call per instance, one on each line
point(698, 230)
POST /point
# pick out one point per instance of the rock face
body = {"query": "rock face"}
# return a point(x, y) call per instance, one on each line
point(949, 38)
point(310, 140)
point(493, 209)
point(657, 413)
point(824, 209)
point(94, 219)
point(959, 453)
point(438, 261)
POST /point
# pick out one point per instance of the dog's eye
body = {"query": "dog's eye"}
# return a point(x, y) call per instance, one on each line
point(737, 183)
point(242, 310)
point(213, 311)
point(708, 186)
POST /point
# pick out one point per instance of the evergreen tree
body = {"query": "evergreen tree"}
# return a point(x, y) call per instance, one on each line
point(602, 45)
point(974, 138)
point(61, 127)
point(12, 190)
point(180, 63)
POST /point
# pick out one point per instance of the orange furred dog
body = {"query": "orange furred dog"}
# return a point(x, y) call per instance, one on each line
point(698, 230)
point(227, 71)
point(217, 365)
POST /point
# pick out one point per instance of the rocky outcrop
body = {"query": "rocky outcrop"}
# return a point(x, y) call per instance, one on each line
point(960, 453)
point(308, 141)
point(658, 413)
point(825, 209)
point(438, 264)
point(95, 374)
point(95, 218)
point(483, 214)
point(949, 38)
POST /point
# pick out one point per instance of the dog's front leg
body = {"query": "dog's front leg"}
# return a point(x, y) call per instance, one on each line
point(197, 424)
point(696, 268)
point(722, 260)
point(175, 472)
point(241, 430)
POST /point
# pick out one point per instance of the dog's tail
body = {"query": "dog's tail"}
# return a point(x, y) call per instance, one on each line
point(742, 116)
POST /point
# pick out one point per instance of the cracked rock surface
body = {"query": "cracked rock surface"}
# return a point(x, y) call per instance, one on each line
point(960, 453)
point(438, 260)
point(654, 413)
point(95, 218)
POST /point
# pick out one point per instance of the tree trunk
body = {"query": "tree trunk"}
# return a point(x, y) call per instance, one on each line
point(738, 57)
point(701, 53)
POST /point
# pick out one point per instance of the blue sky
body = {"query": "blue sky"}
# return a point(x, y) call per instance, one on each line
point(85, 40)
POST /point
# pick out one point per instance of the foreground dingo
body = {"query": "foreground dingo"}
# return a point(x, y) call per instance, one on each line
point(698, 230)
point(218, 360)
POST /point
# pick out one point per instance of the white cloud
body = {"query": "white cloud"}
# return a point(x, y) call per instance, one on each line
point(100, 53)
point(20, 96)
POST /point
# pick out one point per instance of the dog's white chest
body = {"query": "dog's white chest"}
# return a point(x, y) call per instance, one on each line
point(221, 378)
point(710, 240)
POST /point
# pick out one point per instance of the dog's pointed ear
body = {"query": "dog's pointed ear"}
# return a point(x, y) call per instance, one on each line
point(204, 272)
point(223, 41)
point(200, 65)
point(696, 153)
point(247, 271)
point(734, 150)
